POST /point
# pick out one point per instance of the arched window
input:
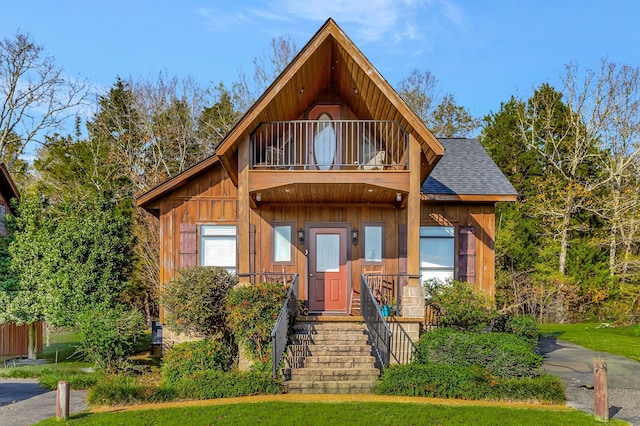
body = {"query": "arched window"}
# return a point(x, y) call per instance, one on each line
point(324, 142)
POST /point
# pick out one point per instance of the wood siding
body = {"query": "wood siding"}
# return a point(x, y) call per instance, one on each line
point(479, 216)
point(210, 198)
point(14, 340)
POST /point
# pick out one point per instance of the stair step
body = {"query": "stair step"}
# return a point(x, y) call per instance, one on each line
point(339, 362)
point(333, 374)
point(337, 350)
point(298, 338)
point(345, 387)
point(328, 327)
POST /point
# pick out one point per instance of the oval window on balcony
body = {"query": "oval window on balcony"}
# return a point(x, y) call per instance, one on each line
point(324, 142)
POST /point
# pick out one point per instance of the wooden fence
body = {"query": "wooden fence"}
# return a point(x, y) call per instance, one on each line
point(14, 340)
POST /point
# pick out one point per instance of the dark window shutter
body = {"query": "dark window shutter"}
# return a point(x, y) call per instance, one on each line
point(188, 245)
point(467, 254)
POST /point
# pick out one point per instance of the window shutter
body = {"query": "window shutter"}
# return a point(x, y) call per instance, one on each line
point(188, 245)
point(467, 254)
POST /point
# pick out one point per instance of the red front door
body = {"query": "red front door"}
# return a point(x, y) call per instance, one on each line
point(328, 270)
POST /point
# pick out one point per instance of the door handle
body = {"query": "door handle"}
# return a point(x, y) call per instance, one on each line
point(310, 275)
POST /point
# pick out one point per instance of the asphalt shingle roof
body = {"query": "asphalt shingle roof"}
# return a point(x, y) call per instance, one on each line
point(466, 169)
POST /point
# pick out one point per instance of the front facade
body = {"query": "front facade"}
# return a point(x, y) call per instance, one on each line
point(330, 175)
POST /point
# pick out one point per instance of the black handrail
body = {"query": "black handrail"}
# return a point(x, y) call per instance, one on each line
point(279, 335)
point(378, 328)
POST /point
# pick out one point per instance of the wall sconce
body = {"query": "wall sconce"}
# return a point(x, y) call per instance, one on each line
point(300, 236)
point(354, 236)
point(258, 197)
point(398, 197)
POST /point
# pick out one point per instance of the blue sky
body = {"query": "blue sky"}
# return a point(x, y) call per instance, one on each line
point(481, 51)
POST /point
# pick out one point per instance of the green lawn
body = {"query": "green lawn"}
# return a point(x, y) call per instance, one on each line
point(345, 413)
point(624, 341)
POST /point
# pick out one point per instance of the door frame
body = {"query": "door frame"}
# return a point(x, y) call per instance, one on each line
point(307, 244)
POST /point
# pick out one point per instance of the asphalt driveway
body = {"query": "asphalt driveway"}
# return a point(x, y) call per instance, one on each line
point(24, 402)
point(574, 365)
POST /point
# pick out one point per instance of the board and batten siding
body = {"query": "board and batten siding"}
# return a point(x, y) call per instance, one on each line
point(210, 198)
point(14, 340)
point(475, 226)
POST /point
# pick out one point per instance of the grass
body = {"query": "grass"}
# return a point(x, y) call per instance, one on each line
point(334, 413)
point(624, 341)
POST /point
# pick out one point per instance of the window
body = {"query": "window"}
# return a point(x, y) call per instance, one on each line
point(282, 243)
point(373, 243)
point(218, 246)
point(437, 252)
point(324, 142)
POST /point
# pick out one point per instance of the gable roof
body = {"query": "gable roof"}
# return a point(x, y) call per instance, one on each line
point(7, 187)
point(466, 172)
point(329, 61)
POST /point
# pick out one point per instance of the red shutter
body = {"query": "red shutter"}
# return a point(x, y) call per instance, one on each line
point(188, 245)
point(467, 254)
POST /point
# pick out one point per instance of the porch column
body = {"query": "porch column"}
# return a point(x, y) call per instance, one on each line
point(413, 294)
point(244, 210)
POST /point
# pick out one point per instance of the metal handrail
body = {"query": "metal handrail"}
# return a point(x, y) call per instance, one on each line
point(279, 335)
point(352, 145)
point(378, 328)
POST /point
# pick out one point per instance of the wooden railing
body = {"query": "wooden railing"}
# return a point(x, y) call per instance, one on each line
point(376, 324)
point(280, 333)
point(330, 145)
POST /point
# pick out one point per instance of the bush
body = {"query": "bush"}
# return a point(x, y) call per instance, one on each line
point(501, 354)
point(187, 358)
point(252, 311)
point(523, 326)
point(459, 304)
point(124, 390)
point(109, 335)
point(220, 384)
point(77, 380)
point(448, 381)
point(194, 301)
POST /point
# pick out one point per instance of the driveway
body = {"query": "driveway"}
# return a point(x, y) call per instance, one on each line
point(574, 365)
point(24, 402)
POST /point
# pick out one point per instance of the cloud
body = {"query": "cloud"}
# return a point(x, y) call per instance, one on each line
point(371, 20)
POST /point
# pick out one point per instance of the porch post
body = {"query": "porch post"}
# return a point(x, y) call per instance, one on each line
point(244, 210)
point(413, 294)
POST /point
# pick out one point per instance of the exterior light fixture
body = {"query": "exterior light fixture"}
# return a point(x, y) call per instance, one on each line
point(258, 197)
point(354, 236)
point(398, 197)
point(300, 236)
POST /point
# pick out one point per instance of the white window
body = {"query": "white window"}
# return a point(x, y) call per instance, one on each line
point(437, 253)
point(282, 243)
point(218, 245)
point(373, 243)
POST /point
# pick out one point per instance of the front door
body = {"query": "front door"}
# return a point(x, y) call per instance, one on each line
point(328, 270)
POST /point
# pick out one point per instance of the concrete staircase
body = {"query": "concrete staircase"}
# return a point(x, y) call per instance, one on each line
point(330, 357)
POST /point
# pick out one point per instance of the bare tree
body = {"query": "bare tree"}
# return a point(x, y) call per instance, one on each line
point(441, 114)
point(266, 67)
point(35, 96)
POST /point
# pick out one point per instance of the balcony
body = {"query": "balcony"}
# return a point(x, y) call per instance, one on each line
point(333, 161)
point(329, 145)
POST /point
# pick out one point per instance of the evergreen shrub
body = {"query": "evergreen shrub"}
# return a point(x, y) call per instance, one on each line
point(210, 384)
point(187, 358)
point(523, 326)
point(501, 354)
point(459, 305)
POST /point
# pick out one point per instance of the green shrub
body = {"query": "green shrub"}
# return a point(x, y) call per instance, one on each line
point(435, 381)
point(225, 384)
point(187, 358)
point(523, 326)
point(501, 354)
point(459, 305)
point(252, 311)
point(448, 381)
point(194, 301)
point(109, 335)
point(124, 390)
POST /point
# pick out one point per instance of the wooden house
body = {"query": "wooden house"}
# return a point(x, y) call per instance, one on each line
point(14, 339)
point(330, 175)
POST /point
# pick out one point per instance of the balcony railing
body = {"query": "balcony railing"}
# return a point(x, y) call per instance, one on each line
point(330, 145)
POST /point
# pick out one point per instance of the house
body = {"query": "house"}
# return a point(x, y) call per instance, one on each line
point(331, 176)
point(14, 339)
